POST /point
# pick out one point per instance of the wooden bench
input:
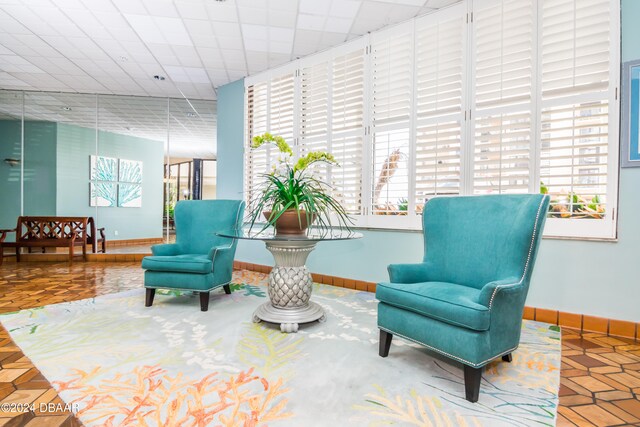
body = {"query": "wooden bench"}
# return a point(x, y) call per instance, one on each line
point(53, 231)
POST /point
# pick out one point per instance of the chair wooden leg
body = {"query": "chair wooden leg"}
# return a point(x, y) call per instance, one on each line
point(472, 379)
point(385, 343)
point(18, 253)
point(204, 301)
point(227, 289)
point(150, 293)
point(507, 358)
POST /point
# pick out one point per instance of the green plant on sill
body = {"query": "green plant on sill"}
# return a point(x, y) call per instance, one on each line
point(293, 186)
point(580, 206)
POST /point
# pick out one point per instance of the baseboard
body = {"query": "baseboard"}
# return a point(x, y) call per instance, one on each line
point(134, 242)
point(580, 322)
point(77, 258)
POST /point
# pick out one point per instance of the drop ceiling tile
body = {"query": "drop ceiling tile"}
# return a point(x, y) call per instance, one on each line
point(283, 5)
point(111, 19)
point(23, 50)
point(236, 74)
point(234, 43)
point(281, 34)
point(259, 45)
point(345, 8)
point(100, 6)
point(315, 7)
point(280, 47)
point(251, 31)
point(253, 15)
point(406, 2)
point(311, 22)
point(222, 11)
point(206, 41)
point(227, 29)
point(192, 10)
point(161, 8)
point(260, 4)
point(282, 18)
point(437, 4)
point(130, 6)
point(188, 56)
point(11, 25)
point(210, 57)
point(199, 27)
point(338, 25)
point(174, 31)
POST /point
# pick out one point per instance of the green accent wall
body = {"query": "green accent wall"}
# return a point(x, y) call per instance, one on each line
point(75, 146)
point(589, 277)
point(39, 164)
point(9, 175)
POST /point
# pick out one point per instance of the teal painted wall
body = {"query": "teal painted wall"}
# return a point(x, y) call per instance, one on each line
point(39, 170)
point(75, 146)
point(9, 175)
point(230, 140)
point(596, 278)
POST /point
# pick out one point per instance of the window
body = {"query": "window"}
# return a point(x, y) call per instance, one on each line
point(483, 97)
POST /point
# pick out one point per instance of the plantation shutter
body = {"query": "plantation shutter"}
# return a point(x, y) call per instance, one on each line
point(576, 51)
point(256, 161)
point(392, 98)
point(347, 124)
point(314, 116)
point(281, 96)
point(502, 111)
point(440, 48)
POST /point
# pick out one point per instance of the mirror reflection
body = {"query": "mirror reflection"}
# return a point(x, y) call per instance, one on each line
point(121, 161)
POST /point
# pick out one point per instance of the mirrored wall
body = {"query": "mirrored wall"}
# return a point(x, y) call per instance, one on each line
point(123, 160)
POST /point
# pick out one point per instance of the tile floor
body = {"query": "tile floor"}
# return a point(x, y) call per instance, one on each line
point(600, 382)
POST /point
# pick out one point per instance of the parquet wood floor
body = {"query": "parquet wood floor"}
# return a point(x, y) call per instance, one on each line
point(600, 375)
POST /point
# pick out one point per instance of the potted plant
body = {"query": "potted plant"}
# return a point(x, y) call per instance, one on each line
point(291, 197)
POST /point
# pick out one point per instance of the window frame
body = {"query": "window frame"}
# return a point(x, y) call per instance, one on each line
point(569, 228)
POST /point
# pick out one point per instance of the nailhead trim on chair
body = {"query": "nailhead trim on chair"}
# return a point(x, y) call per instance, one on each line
point(526, 265)
point(459, 359)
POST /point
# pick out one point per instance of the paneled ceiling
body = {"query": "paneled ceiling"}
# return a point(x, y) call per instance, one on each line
point(188, 125)
point(117, 46)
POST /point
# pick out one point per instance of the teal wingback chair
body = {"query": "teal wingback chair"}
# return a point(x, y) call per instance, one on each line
point(200, 260)
point(465, 300)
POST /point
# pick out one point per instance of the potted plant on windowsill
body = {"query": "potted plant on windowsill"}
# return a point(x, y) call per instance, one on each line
point(291, 197)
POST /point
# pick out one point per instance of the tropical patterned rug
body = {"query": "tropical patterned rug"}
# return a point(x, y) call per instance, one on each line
point(122, 364)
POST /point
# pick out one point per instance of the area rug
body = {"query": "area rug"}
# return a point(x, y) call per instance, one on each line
point(120, 363)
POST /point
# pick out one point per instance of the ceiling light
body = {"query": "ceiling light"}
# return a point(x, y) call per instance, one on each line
point(157, 77)
point(66, 108)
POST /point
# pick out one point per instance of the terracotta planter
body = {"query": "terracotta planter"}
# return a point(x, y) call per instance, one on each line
point(289, 224)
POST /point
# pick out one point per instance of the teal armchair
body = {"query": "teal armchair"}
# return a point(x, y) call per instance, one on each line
point(200, 260)
point(465, 300)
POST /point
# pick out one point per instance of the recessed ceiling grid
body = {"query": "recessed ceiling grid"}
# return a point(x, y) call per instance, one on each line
point(116, 46)
point(192, 124)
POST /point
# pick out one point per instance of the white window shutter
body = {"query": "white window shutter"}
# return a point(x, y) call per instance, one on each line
point(256, 161)
point(439, 106)
point(392, 98)
point(503, 43)
point(347, 115)
point(576, 49)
